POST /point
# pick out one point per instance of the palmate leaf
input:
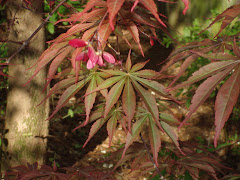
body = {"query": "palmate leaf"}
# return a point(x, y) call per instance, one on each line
point(123, 79)
point(68, 93)
point(155, 140)
point(112, 116)
point(225, 101)
point(129, 102)
point(136, 129)
point(204, 91)
point(113, 7)
point(171, 134)
point(228, 16)
point(48, 56)
point(72, 89)
point(207, 71)
point(114, 95)
point(151, 6)
point(112, 124)
point(90, 99)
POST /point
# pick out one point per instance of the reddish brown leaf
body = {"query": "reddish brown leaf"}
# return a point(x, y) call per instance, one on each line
point(114, 95)
point(89, 6)
point(148, 100)
point(95, 127)
point(225, 101)
point(170, 132)
point(228, 16)
point(204, 91)
point(136, 129)
point(47, 58)
point(111, 126)
point(151, 6)
point(90, 99)
point(68, 93)
point(155, 139)
point(113, 8)
point(129, 102)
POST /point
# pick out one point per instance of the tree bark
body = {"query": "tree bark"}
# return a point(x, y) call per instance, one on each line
point(25, 121)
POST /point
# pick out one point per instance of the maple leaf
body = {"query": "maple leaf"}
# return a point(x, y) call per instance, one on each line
point(222, 65)
point(228, 16)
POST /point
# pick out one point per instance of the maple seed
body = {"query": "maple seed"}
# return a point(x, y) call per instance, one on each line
point(108, 57)
point(77, 43)
point(83, 56)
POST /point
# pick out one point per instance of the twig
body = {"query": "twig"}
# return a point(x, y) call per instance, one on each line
point(25, 43)
point(149, 154)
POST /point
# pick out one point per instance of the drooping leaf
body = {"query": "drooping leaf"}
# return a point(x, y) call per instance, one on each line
point(129, 102)
point(204, 91)
point(148, 100)
point(104, 92)
point(88, 6)
point(104, 32)
point(68, 93)
point(207, 71)
point(132, 28)
point(169, 118)
point(44, 60)
point(187, 63)
point(155, 139)
point(55, 63)
point(136, 129)
point(114, 95)
point(171, 134)
point(90, 99)
point(225, 101)
point(113, 8)
point(60, 85)
point(95, 127)
point(228, 16)
point(111, 126)
point(153, 85)
point(151, 6)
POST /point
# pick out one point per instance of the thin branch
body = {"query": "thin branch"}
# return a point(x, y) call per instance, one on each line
point(149, 154)
point(25, 43)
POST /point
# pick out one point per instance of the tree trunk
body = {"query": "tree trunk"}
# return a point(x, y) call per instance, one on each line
point(25, 121)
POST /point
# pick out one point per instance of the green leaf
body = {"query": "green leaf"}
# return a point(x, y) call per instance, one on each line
point(148, 100)
point(138, 66)
point(169, 118)
point(68, 93)
point(51, 28)
point(95, 127)
point(90, 99)
point(155, 139)
point(171, 134)
point(153, 85)
point(111, 126)
point(129, 63)
point(146, 73)
point(129, 102)
point(114, 95)
point(114, 72)
point(136, 129)
point(107, 83)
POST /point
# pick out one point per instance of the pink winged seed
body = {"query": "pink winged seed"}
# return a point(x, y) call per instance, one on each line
point(108, 57)
point(77, 43)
